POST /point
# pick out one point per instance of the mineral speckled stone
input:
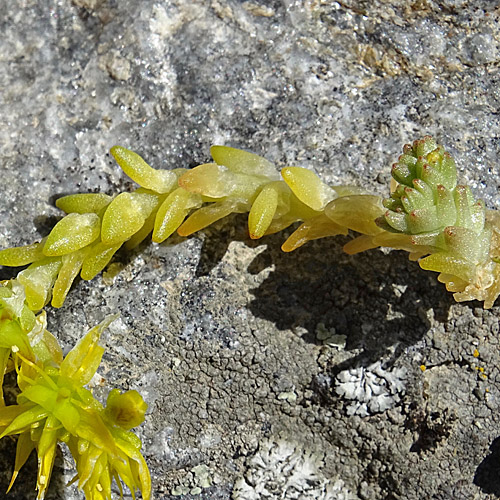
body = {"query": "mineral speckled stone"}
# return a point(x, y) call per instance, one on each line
point(211, 332)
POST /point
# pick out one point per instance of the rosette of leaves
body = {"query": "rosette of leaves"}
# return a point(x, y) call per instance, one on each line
point(54, 406)
point(429, 215)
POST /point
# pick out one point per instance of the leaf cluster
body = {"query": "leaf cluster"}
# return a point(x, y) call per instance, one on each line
point(428, 214)
point(53, 405)
point(186, 201)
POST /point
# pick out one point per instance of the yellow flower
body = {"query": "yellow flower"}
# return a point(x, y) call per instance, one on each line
point(55, 406)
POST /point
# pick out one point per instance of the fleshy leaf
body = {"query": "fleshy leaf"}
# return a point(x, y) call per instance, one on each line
point(125, 216)
point(71, 265)
point(205, 216)
point(81, 363)
point(209, 179)
point(357, 212)
point(308, 188)
point(97, 259)
point(317, 227)
point(38, 280)
point(71, 233)
point(243, 162)
point(172, 213)
point(160, 181)
point(83, 203)
point(263, 211)
point(24, 448)
point(20, 256)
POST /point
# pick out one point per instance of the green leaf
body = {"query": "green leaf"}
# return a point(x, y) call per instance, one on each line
point(172, 213)
point(83, 203)
point(243, 162)
point(308, 187)
point(263, 211)
point(71, 233)
point(21, 417)
point(356, 212)
point(97, 259)
point(20, 256)
point(160, 181)
point(71, 265)
point(81, 363)
point(125, 216)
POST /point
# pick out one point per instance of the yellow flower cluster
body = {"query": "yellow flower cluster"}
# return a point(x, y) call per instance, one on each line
point(54, 406)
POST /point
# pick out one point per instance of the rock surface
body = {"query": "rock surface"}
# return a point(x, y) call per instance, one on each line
point(225, 337)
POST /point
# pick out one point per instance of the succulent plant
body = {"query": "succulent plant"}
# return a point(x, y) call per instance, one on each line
point(54, 406)
point(428, 214)
point(441, 224)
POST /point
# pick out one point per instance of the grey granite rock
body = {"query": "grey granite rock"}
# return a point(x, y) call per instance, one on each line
point(216, 331)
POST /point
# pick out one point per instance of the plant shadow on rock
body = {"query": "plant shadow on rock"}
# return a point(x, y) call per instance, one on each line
point(377, 301)
point(217, 239)
point(487, 475)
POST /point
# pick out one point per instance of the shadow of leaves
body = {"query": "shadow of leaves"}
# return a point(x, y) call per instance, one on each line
point(487, 475)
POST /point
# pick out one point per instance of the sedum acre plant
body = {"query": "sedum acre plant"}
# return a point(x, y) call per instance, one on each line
point(54, 406)
point(428, 214)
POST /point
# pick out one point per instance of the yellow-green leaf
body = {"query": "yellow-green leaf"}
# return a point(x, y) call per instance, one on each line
point(262, 211)
point(160, 181)
point(38, 279)
point(73, 232)
point(44, 344)
point(125, 216)
point(12, 336)
point(312, 229)
point(18, 418)
point(24, 448)
point(97, 259)
point(71, 265)
point(243, 162)
point(20, 256)
point(205, 216)
point(308, 187)
point(209, 179)
point(446, 263)
point(357, 212)
point(83, 203)
point(172, 212)
point(82, 361)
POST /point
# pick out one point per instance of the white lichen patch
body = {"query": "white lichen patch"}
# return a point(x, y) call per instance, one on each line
point(283, 470)
point(372, 389)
